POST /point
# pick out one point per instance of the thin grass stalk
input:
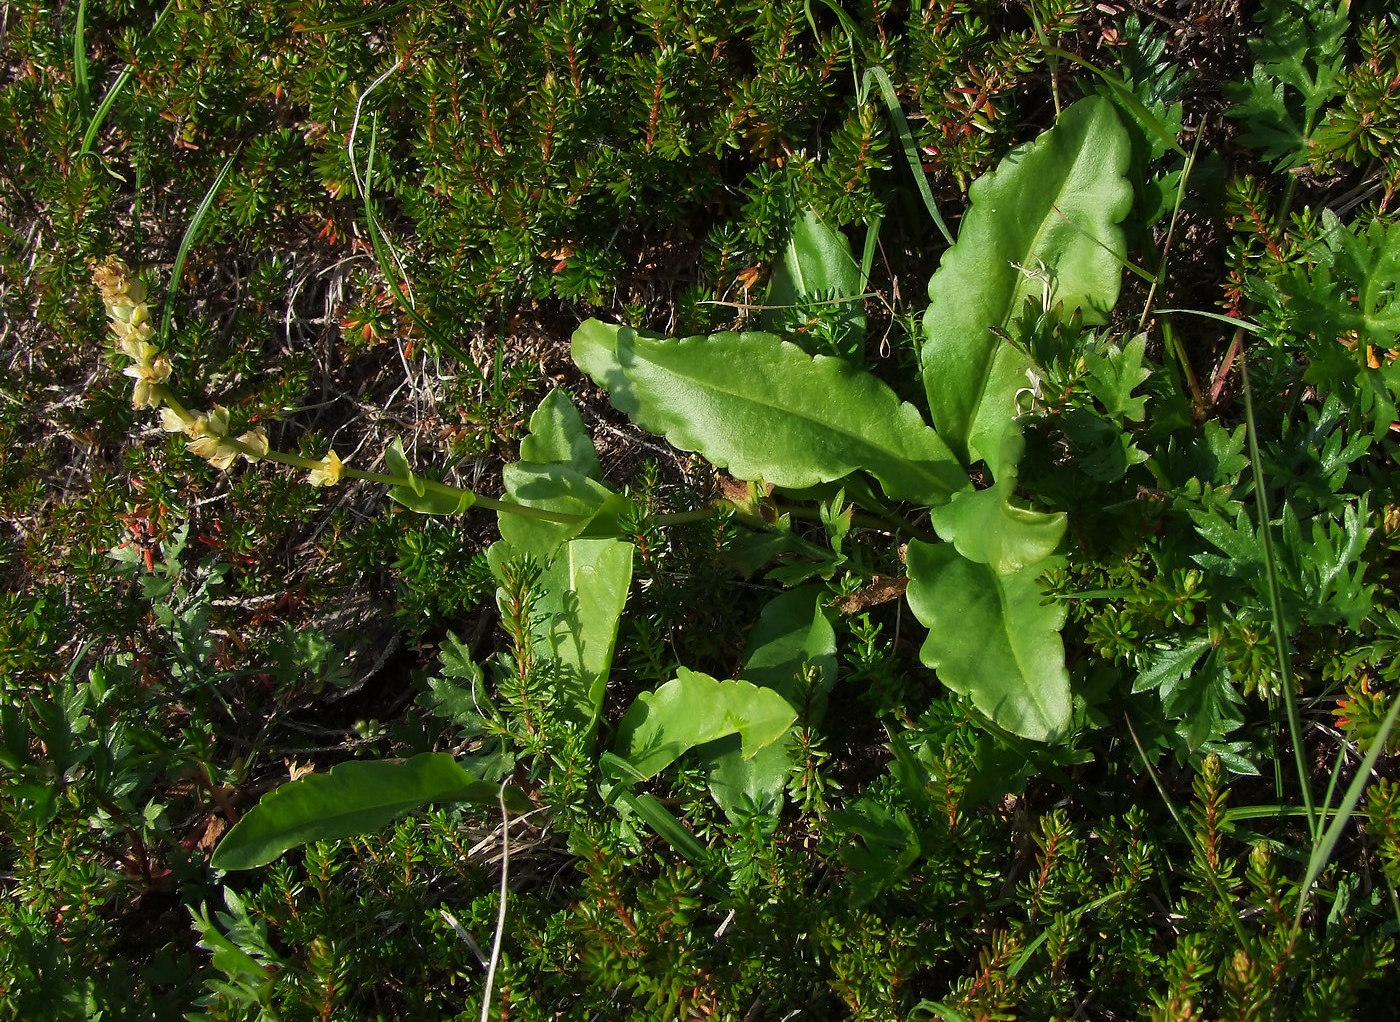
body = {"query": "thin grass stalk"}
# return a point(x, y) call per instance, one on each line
point(1324, 846)
point(1290, 696)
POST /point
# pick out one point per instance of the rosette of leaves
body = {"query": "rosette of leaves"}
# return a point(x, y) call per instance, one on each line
point(1046, 222)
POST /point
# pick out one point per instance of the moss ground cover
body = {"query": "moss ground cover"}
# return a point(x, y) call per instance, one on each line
point(361, 368)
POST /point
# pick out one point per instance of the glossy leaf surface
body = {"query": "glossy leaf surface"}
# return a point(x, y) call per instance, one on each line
point(557, 435)
point(987, 528)
point(817, 265)
point(556, 487)
point(1054, 205)
point(692, 709)
point(558, 470)
point(584, 591)
point(353, 798)
point(766, 410)
point(792, 634)
point(991, 638)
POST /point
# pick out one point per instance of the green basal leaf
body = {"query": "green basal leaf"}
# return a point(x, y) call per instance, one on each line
point(752, 786)
point(556, 487)
point(692, 709)
point(766, 410)
point(557, 436)
point(817, 266)
point(792, 632)
point(792, 635)
point(1053, 205)
point(353, 798)
point(987, 528)
point(585, 589)
point(558, 471)
point(992, 638)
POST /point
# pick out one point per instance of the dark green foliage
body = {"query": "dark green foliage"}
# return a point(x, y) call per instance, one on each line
point(174, 641)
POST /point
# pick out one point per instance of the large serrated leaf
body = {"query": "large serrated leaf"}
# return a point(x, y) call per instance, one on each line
point(766, 410)
point(353, 798)
point(692, 709)
point(1054, 204)
point(992, 639)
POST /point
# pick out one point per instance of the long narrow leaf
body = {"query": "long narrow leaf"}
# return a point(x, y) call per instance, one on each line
point(1327, 843)
point(186, 242)
point(906, 142)
point(114, 91)
point(353, 798)
point(82, 88)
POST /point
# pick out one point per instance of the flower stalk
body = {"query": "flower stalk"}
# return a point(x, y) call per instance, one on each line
point(133, 336)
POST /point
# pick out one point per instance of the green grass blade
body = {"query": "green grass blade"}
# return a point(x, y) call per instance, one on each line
point(186, 243)
point(103, 109)
point(1290, 697)
point(1325, 845)
point(892, 107)
point(1161, 275)
point(82, 87)
point(906, 142)
point(1025, 956)
point(389, 264)
point(867, 255)
point(109, 99)
point(1234, 321)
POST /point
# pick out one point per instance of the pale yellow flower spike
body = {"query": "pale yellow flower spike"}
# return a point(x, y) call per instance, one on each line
point(328, 473)
point(175, 422)
point(214, 449)
point(148, 376)
point(114, 279)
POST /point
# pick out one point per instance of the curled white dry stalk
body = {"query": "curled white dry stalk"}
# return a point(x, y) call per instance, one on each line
point(501, 908)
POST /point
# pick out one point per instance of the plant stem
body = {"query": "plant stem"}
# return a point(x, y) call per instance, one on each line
point(859, 519)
